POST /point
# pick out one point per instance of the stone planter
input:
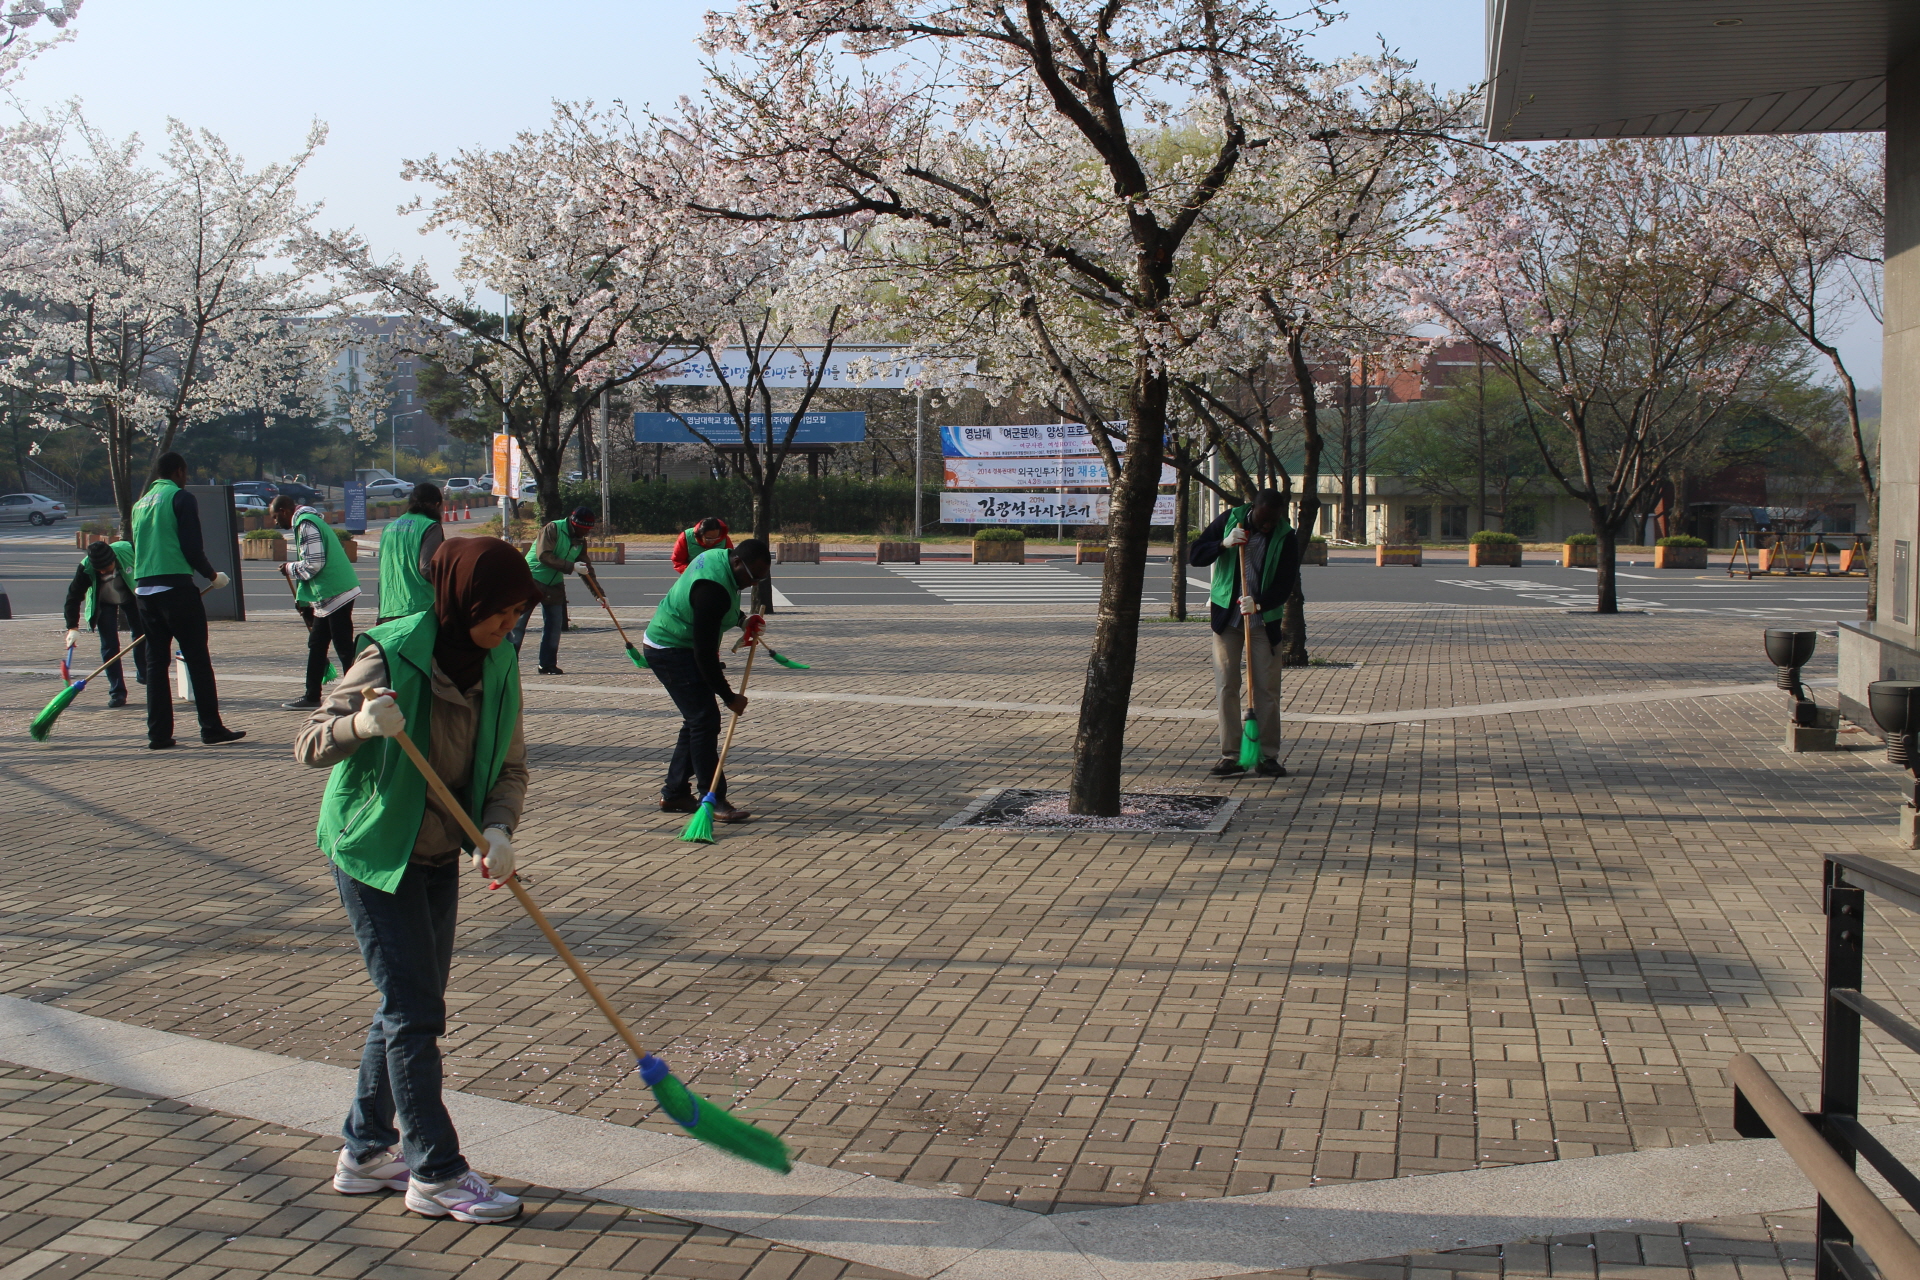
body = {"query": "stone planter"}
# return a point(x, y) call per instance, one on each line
point(1384, 555)
point(796, 553)
point(1316, 553)
point(1579, 555)
point(607, 552)
point(274, 548)
point(895, 553)
point(1854, 560)
point(1482, 555)
point(1014, 552)
point(1680, 557)
point(82, 539)
point(351, 546)
point(1090, 553)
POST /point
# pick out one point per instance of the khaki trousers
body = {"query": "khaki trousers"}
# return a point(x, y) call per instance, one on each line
point(1228, 647)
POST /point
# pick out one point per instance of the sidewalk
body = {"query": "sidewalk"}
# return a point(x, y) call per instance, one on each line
point(1522, 937)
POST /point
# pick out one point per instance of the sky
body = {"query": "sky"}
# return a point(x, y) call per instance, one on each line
point(401, 79)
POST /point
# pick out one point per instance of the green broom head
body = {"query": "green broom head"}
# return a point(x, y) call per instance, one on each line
point(333, 673)
point(1249, 742)
point(43, 723)
point(713, 1125)
point(785, 661)
point(639, 659)
point(700, 825)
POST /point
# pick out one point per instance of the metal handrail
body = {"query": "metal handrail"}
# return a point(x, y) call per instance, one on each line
point(1873, 1225)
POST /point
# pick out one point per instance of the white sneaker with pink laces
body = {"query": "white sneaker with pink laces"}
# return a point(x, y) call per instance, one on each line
point(467, 1198)
point(381, 1171)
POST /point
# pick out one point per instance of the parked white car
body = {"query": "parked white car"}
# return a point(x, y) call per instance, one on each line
point(248, 504)
point(34, 508)
point(462, 487)
point(388, 490)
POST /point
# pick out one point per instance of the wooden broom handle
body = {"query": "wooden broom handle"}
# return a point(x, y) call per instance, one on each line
point(727, 746)
point(453, 806)
point(1246, 623)
point(593, 585)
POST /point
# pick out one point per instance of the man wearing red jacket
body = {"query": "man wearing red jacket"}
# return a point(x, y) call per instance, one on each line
point(705, 536)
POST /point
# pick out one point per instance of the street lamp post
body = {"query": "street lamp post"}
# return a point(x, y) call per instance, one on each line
point(393, 428)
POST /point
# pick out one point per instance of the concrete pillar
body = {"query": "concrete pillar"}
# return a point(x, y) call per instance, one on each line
point(1888, 648)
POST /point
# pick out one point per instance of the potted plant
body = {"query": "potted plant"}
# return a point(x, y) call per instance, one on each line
point(99, 529)
point(1680, 552)
point(1492, 547)
point(1405, 550)
point(896, 552)
point(1581, 551)
point(999, 546)
point(1316, 552)
point(263, 544)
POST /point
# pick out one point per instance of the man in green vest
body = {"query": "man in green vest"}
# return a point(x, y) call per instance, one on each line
point(560, 546)
point(324, 589)
point(1273, 562)
point(407, 545)
point(104, 585)
point(683, 651)
point(167, 552)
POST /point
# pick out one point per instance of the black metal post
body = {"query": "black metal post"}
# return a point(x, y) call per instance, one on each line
point(1839, 1049)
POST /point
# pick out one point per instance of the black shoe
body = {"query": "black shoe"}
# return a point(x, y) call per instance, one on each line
point(302, 704)
point(679, 804)
point(162, 744)
point(219, 736)
point(551, 671)
point(1270, 769)
point(1227, 768)
point(117, 700)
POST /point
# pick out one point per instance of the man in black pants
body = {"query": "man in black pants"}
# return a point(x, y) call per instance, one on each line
point(103, 584)
point(167, 553)
point(683, 651)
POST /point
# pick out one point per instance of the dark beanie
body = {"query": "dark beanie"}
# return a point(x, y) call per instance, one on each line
point(102, 556)
point(584, 518)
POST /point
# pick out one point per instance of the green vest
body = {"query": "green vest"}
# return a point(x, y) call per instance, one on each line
point(563, 545)
point(156, 534)
point(672, 624)
point(375, 799)
point(1227, 567)
point(403, 588)
point(335, 576)
point(123, 552)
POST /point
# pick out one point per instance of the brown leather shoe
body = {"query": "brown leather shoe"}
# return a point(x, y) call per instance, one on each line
point(679, 804)
point(724, 812)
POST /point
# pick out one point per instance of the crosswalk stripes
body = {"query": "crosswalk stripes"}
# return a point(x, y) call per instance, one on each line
point(1001, 583)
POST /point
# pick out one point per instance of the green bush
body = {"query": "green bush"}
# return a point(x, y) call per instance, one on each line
point(260, 535)
point(998, 535)
point(1680, 540)
point(1495, 538)
point(1318, 541)
point(831, 504)
point(1581, 539)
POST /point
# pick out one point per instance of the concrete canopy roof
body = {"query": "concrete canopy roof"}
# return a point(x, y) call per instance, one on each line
point(1644, 68)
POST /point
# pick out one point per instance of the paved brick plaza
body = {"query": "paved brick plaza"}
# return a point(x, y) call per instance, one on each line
point(1442, 945)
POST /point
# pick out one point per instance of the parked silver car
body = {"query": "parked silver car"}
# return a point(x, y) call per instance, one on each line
point(34, 508)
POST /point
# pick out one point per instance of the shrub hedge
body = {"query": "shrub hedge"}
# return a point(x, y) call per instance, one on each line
point(1581, 539)
point(831, 504)
point(1680, 540)
point(1494, 537)
point(998, 535)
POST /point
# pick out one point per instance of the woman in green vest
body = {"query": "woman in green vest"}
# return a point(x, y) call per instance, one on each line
point(407, 545)
point(447, 677)
point(324, 589)
point(1273, 562)
point(560, 546)
point(102, 592)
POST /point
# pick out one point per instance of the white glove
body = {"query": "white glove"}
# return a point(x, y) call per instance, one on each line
point(1238, 538)
point(495, 858)
point(219, 580)
point(1249, 606)
point(73, 638)
point(378, 717)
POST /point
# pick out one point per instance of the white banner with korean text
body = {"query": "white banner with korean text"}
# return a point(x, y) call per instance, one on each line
point(1033, 473)
point(1037, 508)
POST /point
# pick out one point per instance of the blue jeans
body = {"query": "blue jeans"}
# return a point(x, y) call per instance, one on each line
point(553, 616)
point(406, 939)
point(106, 617)
point(697, 752)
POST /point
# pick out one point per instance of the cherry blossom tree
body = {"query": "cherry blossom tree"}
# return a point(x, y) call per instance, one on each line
point(150, 297)
point(1617, 303)
point(1809, 214)
point(588, 298)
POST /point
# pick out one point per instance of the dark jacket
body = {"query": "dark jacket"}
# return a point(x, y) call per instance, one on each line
point(1271, 594)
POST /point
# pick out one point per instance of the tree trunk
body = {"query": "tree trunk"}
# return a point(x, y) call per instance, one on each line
point(1099, 745)
point(763, 529)
point(1182, 498)
point(1606, 587)
point(120, 443)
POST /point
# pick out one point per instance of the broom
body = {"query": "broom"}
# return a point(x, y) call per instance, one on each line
point(1250, 726)
point(593, 585)
point(43, 723)
point(333, 672)
point(700, 825)
point(702, 1119)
